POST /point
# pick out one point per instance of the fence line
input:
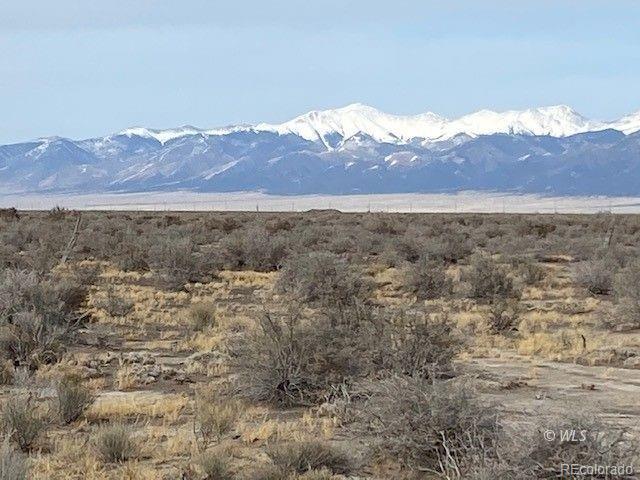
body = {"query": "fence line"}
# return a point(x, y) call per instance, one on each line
point(410, 203)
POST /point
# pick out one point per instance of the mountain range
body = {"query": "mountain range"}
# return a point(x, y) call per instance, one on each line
point(354, 149)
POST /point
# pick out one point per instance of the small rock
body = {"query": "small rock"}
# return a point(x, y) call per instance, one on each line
point(182, 378)
point(632, 362)
point(92, 373)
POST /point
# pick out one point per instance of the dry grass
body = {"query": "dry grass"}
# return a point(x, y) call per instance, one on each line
point(555, 314)
point(308, 426)
point(168, 407)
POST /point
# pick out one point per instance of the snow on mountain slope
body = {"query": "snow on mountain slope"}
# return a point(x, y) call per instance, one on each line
point(555, 121)
point(527, 155)
point(628, 124)
point(162, 136)
point(355, 118)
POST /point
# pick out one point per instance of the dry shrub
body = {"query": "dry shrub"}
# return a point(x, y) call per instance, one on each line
point(596, 276)
point(497, 471)
point(7, 372)
point(202, 315)
point(323, 278)
point(9, 214)
point(254, 249)
point(528, 270)
point(322, 474)
point(176, 261)
point(627, 291)
point(408, 247)
point(417, 345)
point(450, 247)
point(439, 427)
point(489, 280)
point(272, 363)
point(214, 417)
point(37, 317)
point(301, 457)
point(59, 213)
point(268, 472)
point(590, 442)
point(427, 278)
point(383, 224)
point(114, 304)
point(114, 443)
point(13, 465)
point(278, 224)
point(86, 273)
point(73, 398)
point(539, 229)
point(31, 341)
point(503, 316)
point(21, 421)
point(55, 298)
point(214, 466)
point(301, 359)
point(126, 248)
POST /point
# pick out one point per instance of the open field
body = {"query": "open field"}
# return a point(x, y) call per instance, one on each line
point(469, 202)
point(317, 345)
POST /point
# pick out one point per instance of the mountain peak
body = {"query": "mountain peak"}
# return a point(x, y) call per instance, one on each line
point(346, 121)
point(627, 124)
point(357, 117)
point(366, 150)
point(162, 136)
point(357, 106)
point(555, 120)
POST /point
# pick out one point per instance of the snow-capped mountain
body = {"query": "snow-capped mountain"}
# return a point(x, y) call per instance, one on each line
point(358, 118)
point(351, 149)
point(327, 125)
point(556, 121)
point(628, 124)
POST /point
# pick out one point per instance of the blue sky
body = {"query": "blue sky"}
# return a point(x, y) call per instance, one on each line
point(78, 69)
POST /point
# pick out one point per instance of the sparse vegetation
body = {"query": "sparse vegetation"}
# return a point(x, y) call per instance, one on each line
point(316, 345)
point(427, 278)
point(596, 276)
point(73, 398)
point(21, 421)
point(302, 457)
point(439, 427)
point(503, 316)
point(113, 304)
point(324, 278)
point(177, 261)
point(13, 464)
point(114, 443)
point(202, 315)
point(214, 418)
point(37, 317)
point(627, 291)
point(489, 280)
point(530, 271)
point(214, 466)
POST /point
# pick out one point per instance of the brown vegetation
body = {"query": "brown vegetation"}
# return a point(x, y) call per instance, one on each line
point(315, 345)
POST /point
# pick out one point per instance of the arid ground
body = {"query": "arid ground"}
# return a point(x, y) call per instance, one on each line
point(317, 345)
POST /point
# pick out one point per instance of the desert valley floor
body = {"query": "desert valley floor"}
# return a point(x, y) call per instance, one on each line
point(317, 345)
